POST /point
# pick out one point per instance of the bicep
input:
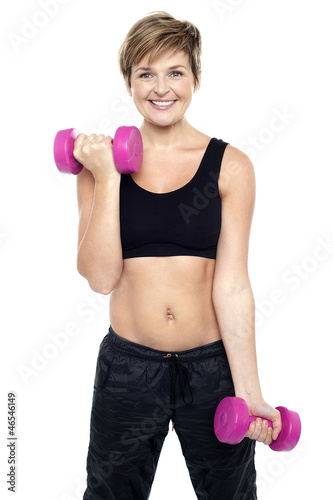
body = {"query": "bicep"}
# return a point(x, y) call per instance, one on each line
point(237, 190)
point(85, 196)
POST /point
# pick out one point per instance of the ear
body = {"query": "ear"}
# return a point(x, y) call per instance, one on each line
point(128, 88)
point(198, 83)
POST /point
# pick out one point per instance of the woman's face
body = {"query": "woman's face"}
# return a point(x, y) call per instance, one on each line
point(163, 91)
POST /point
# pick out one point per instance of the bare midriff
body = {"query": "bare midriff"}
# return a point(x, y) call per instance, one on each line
point(165, 302)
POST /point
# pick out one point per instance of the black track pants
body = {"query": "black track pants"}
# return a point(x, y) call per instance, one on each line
point(137, 390)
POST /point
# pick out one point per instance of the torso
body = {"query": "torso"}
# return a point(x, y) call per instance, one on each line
point(166, 302)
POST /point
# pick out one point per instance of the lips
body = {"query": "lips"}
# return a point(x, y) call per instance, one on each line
point(162, 104)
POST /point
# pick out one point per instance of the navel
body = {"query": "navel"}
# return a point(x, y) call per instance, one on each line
point(170, 315)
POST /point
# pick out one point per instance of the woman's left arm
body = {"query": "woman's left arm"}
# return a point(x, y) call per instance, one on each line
point(232, 293)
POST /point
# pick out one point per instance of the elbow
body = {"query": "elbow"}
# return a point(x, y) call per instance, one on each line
point(104, 290)
point(100, 284)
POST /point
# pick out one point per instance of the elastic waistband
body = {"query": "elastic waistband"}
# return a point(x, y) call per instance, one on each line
point(142, 351)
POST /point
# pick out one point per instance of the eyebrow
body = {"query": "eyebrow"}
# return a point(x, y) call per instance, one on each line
point(147, 68)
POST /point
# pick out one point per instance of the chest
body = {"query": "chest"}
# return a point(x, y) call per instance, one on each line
point(176, 214)
point(166, 172)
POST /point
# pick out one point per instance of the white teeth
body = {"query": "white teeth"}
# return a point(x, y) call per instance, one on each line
point(159, 103)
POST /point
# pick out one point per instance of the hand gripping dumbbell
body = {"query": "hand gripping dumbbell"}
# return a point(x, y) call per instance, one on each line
point(127, 150)
point(232, 420)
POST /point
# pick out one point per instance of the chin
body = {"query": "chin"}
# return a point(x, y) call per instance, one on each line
point(163, 123)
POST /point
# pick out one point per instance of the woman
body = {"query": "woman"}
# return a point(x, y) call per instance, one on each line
point(174, 258)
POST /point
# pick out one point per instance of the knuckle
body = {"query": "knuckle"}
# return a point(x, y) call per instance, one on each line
point(79, 140)
point(80, 137)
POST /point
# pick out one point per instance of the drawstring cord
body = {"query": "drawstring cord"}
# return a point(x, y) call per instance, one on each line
point(183, 374)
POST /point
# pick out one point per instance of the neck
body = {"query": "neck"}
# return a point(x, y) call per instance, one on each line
point(169, 137)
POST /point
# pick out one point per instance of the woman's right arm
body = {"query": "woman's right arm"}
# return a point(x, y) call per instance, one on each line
point(99, 257)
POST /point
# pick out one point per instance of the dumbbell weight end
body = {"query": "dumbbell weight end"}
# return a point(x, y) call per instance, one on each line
point(63, 151)
point(127, 149)
point(290, 432)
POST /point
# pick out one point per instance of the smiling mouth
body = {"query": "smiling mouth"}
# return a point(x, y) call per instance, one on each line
point(163, 104)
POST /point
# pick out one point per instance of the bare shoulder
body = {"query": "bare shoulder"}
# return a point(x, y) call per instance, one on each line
point(237, 172)
point(198, 140)
point(237, 191)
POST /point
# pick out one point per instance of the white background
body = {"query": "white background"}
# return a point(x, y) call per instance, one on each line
point(260, 60)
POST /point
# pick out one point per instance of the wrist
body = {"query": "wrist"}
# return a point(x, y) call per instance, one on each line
point(108, 179)
point(250, 398)
point(249, 392)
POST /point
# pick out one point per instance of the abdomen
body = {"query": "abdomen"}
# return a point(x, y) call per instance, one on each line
point(165, 302)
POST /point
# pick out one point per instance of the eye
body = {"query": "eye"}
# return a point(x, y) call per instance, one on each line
point(145, 76)
point(176, 73)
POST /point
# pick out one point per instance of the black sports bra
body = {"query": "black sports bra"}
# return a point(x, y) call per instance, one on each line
point(186, 221)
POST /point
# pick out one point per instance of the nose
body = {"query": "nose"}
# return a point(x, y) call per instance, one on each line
point(161, 86)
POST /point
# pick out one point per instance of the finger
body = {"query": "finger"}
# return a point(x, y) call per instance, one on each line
point(108, 138)
point(79, 140)
point(266, 433)
point(89, 142)
point(277, 426)
point(83, 140)
point(250, 430)
point(100, 138)
point(261, 431)
point(255, 429)
point(268, 440)
point(91, 138)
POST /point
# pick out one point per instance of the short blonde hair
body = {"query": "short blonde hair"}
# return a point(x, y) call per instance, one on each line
point(155, 34)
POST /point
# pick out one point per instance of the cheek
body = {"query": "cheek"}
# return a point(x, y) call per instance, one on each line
point(140, 91)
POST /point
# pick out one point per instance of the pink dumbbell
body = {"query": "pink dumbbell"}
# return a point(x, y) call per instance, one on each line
point(232, 420)
point(127, 150)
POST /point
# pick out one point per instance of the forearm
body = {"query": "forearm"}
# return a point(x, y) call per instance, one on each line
point(99, 257)
point(235, 314)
